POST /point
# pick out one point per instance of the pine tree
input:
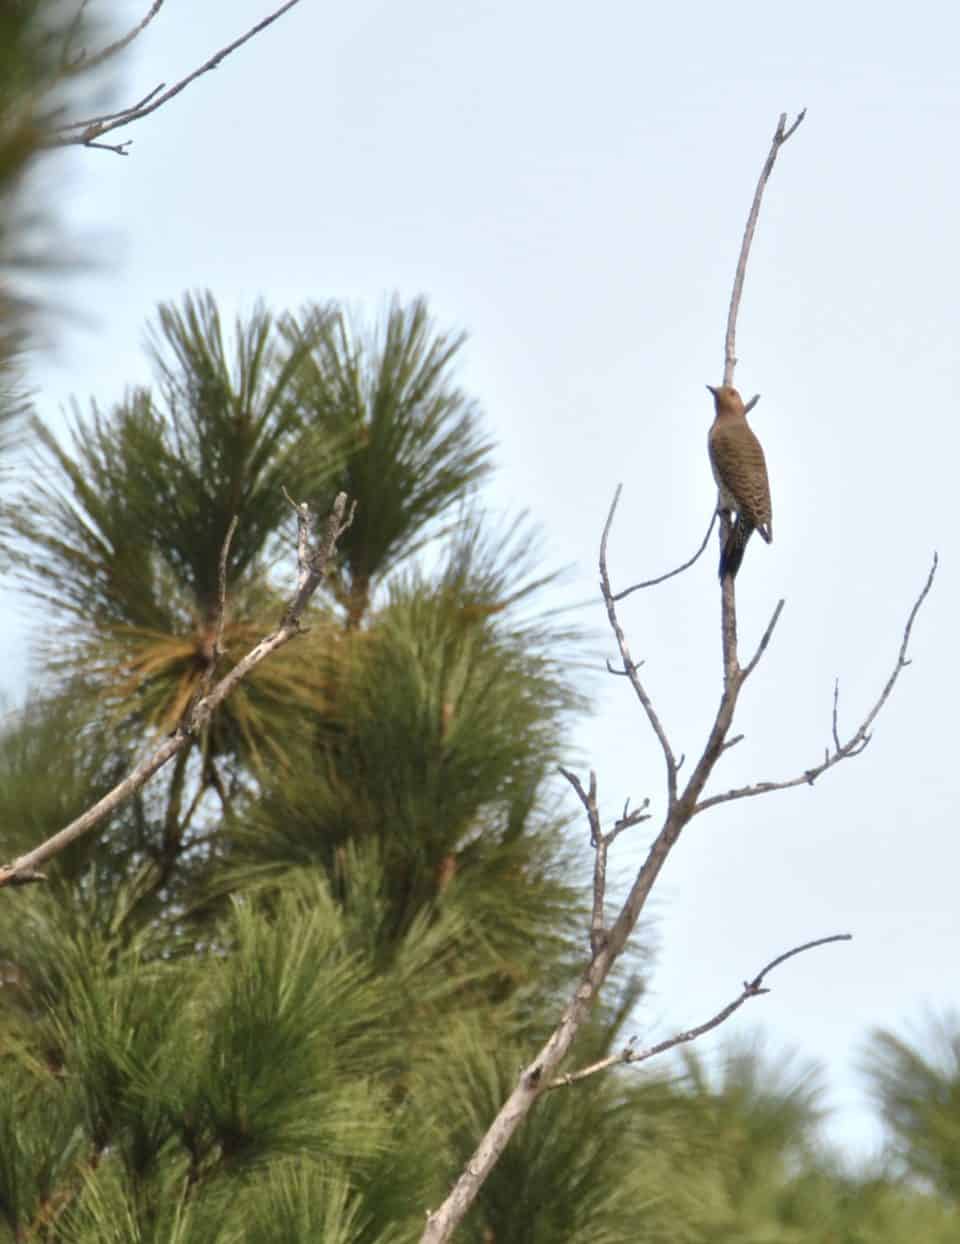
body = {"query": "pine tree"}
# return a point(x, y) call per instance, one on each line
point(221, 1011)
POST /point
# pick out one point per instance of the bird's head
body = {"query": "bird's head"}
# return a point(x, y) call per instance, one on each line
point(727, 400)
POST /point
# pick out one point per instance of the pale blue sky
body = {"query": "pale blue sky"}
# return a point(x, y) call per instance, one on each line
point(569, 184)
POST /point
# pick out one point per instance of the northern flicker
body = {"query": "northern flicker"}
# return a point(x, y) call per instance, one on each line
point(741, 474)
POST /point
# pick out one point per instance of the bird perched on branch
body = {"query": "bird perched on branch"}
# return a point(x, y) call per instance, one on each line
point(741, 474)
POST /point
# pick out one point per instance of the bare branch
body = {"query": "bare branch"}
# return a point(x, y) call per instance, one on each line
point(601, 844)
point(309, 578)
point(622, 673)
point(751, 989)
point(598, 930)
point(857, 741)
point(728, 623)
point(109, 116)
point(835, 730)
point(67, 61)
point(608, 943)
point(86, 62)
point(215, 649)
point(589, 802)
point(781, 134)
point(902, 661)
point(116, 148)
point(629, 665)
point(538, 1074)
point(85, 133)
point(762, 647)
point(222, 588)
point(669, 575)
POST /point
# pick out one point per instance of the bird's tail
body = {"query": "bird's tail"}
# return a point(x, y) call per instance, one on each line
point(732, 554)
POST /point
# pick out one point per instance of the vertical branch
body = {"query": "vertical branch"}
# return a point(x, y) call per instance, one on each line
point(601, 844)
point(781, 134)
point(728, 626)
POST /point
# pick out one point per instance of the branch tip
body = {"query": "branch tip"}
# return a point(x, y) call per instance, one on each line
point(751, 989)
point(93, 127)
point(637, 587)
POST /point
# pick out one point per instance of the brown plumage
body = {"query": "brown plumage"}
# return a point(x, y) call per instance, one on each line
point(741, 474)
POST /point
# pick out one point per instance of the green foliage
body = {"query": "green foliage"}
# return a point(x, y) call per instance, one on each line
point(821, 1207)
point(917, 1088)
point(121, 532)
point(32, 746)
point(39, 72)
point(442, 728)
point(34, 42)
point(168, 1081)
point(132, 518)
point(414, 447)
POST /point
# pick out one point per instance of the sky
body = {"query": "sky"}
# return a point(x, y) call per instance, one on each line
point(568, 184)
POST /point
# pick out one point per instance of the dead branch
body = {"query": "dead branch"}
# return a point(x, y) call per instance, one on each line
point(215, 650)
point(86, 133)
point(608, 942)
point(601, 843)
point(764, 641)
point(83, 61)
point(629, 665)
point(860, 737)
point(780, 136)
point(670, 574)
point(222, 588)
point(313, 564)
point(751, 989)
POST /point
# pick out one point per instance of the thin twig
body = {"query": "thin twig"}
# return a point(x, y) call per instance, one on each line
point(222, 587)
point(902, 661)
point(751, 989)
point(598, 930)
point(116, 148)
point(765, 640)
point(215, 647)
point(601, 844)
point(85, 133)
point(25, 867)
point(109, 116)
point(835, 724)
point(857, 741)
point(629, 665)
point(87, 62)
point(781, 134)
point(67, 62)
point(669, 575)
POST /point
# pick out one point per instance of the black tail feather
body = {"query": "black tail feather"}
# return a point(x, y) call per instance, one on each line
point(733, 550)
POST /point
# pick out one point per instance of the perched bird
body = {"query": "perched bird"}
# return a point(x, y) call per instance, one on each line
point(741, 474)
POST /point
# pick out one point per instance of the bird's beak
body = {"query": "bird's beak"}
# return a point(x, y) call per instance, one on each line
point(712, 389)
